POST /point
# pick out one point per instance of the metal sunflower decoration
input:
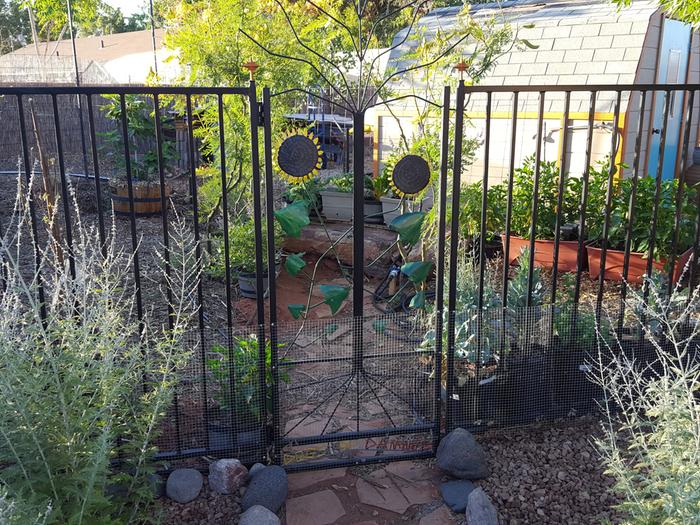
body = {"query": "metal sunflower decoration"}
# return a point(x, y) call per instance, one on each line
point(299, 157)
point(410, 176)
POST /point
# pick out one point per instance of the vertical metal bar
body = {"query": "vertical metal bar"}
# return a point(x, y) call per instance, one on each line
point(440, 270)
point(198, 255)
point(64, 186)
point(482, 253)
point(224, 214)
point(696, 252)
point(271, 251)
point(96, 169)
point(259, 266)
point(26, 161)
point(166, 250)
point(630, 212)
point(132, 212)
point(535, 203)
point(687, 124)
point(580, 256)
point(563, 175)
point(358, 255)
point(484, 205)
point(657, 195)
point(227, 267)
point(608, 206)
point(454, 246)
point(509, 204)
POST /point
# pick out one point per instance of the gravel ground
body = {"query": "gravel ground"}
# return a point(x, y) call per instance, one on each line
point(549, 474)
point(209, 508)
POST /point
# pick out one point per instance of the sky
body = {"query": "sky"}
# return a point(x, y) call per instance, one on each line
point(128, 7)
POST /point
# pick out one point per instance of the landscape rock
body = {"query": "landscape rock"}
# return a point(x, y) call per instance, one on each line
point(268, 488)
point(227, 475)
point(456, 494)
point(255, 469)
point(184, 485)
point(460, 455)
point(480, 510)
point(259, 515)
point(157, 484)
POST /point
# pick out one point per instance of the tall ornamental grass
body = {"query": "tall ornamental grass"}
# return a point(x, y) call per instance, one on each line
point(83, 384)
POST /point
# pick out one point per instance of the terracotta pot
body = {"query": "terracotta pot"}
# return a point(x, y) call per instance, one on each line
point(614, 262)
point(544, 252)
point(146, 198)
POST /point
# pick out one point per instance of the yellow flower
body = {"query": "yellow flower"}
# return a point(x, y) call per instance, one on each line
point(299, 157)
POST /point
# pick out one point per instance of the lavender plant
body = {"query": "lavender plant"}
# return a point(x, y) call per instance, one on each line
point(651, 442)
point(84, 385)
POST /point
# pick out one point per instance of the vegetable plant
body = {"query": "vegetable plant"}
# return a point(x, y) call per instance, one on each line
point(242, 360)
point(140, 116)
point(241, 238)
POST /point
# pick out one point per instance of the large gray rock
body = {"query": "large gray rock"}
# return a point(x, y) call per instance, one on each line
point(184, 485)
point(268, 488)
point(227, 475)
point(460, 455)
point(480, 510)
point(456, 494)
point(259, 515)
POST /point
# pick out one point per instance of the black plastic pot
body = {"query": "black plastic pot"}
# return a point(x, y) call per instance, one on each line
point(246, 443)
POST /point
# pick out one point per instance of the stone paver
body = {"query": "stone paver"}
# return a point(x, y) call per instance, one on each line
point(396, 495)
point(303, 480)
point(319, 508)
point(412, 471)
point(440, 516)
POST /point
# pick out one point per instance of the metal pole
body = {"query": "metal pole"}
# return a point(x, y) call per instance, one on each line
point(153, 38)
point(77, 83)
point(358, 232)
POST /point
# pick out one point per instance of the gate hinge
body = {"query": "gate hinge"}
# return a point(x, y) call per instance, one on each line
point(261, 114)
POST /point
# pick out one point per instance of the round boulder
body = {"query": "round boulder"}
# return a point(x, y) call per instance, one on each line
point(255, 469)
point(227, 475)
point(456, 494)
point(259, 515)
point(268, 488)
point(460, 455)
point(184, 485)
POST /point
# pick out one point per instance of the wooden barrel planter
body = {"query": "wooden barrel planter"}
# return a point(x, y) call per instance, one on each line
point(147, 202)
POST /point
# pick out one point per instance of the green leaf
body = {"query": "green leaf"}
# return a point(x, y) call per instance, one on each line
point(408, 226)
point(529, 44)
point(418, 300)
point(294, 263)
point(379, 326)
point(417, 271)
point(296, 310)
point(528, 26)
point(334, 295)
point(330, 328)
point(293, 218)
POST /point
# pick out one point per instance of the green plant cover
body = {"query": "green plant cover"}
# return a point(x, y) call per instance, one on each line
point(408, 226)
point(330, 328)
point(418, 300)
point(379, 326)
point(334, 295)
point(294, 263)
point(296, 310)
point(417, 271)
point(293, 218)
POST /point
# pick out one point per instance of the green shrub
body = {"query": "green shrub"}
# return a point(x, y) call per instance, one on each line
point(86, 386)
point(241, 238)
point(643, 217)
